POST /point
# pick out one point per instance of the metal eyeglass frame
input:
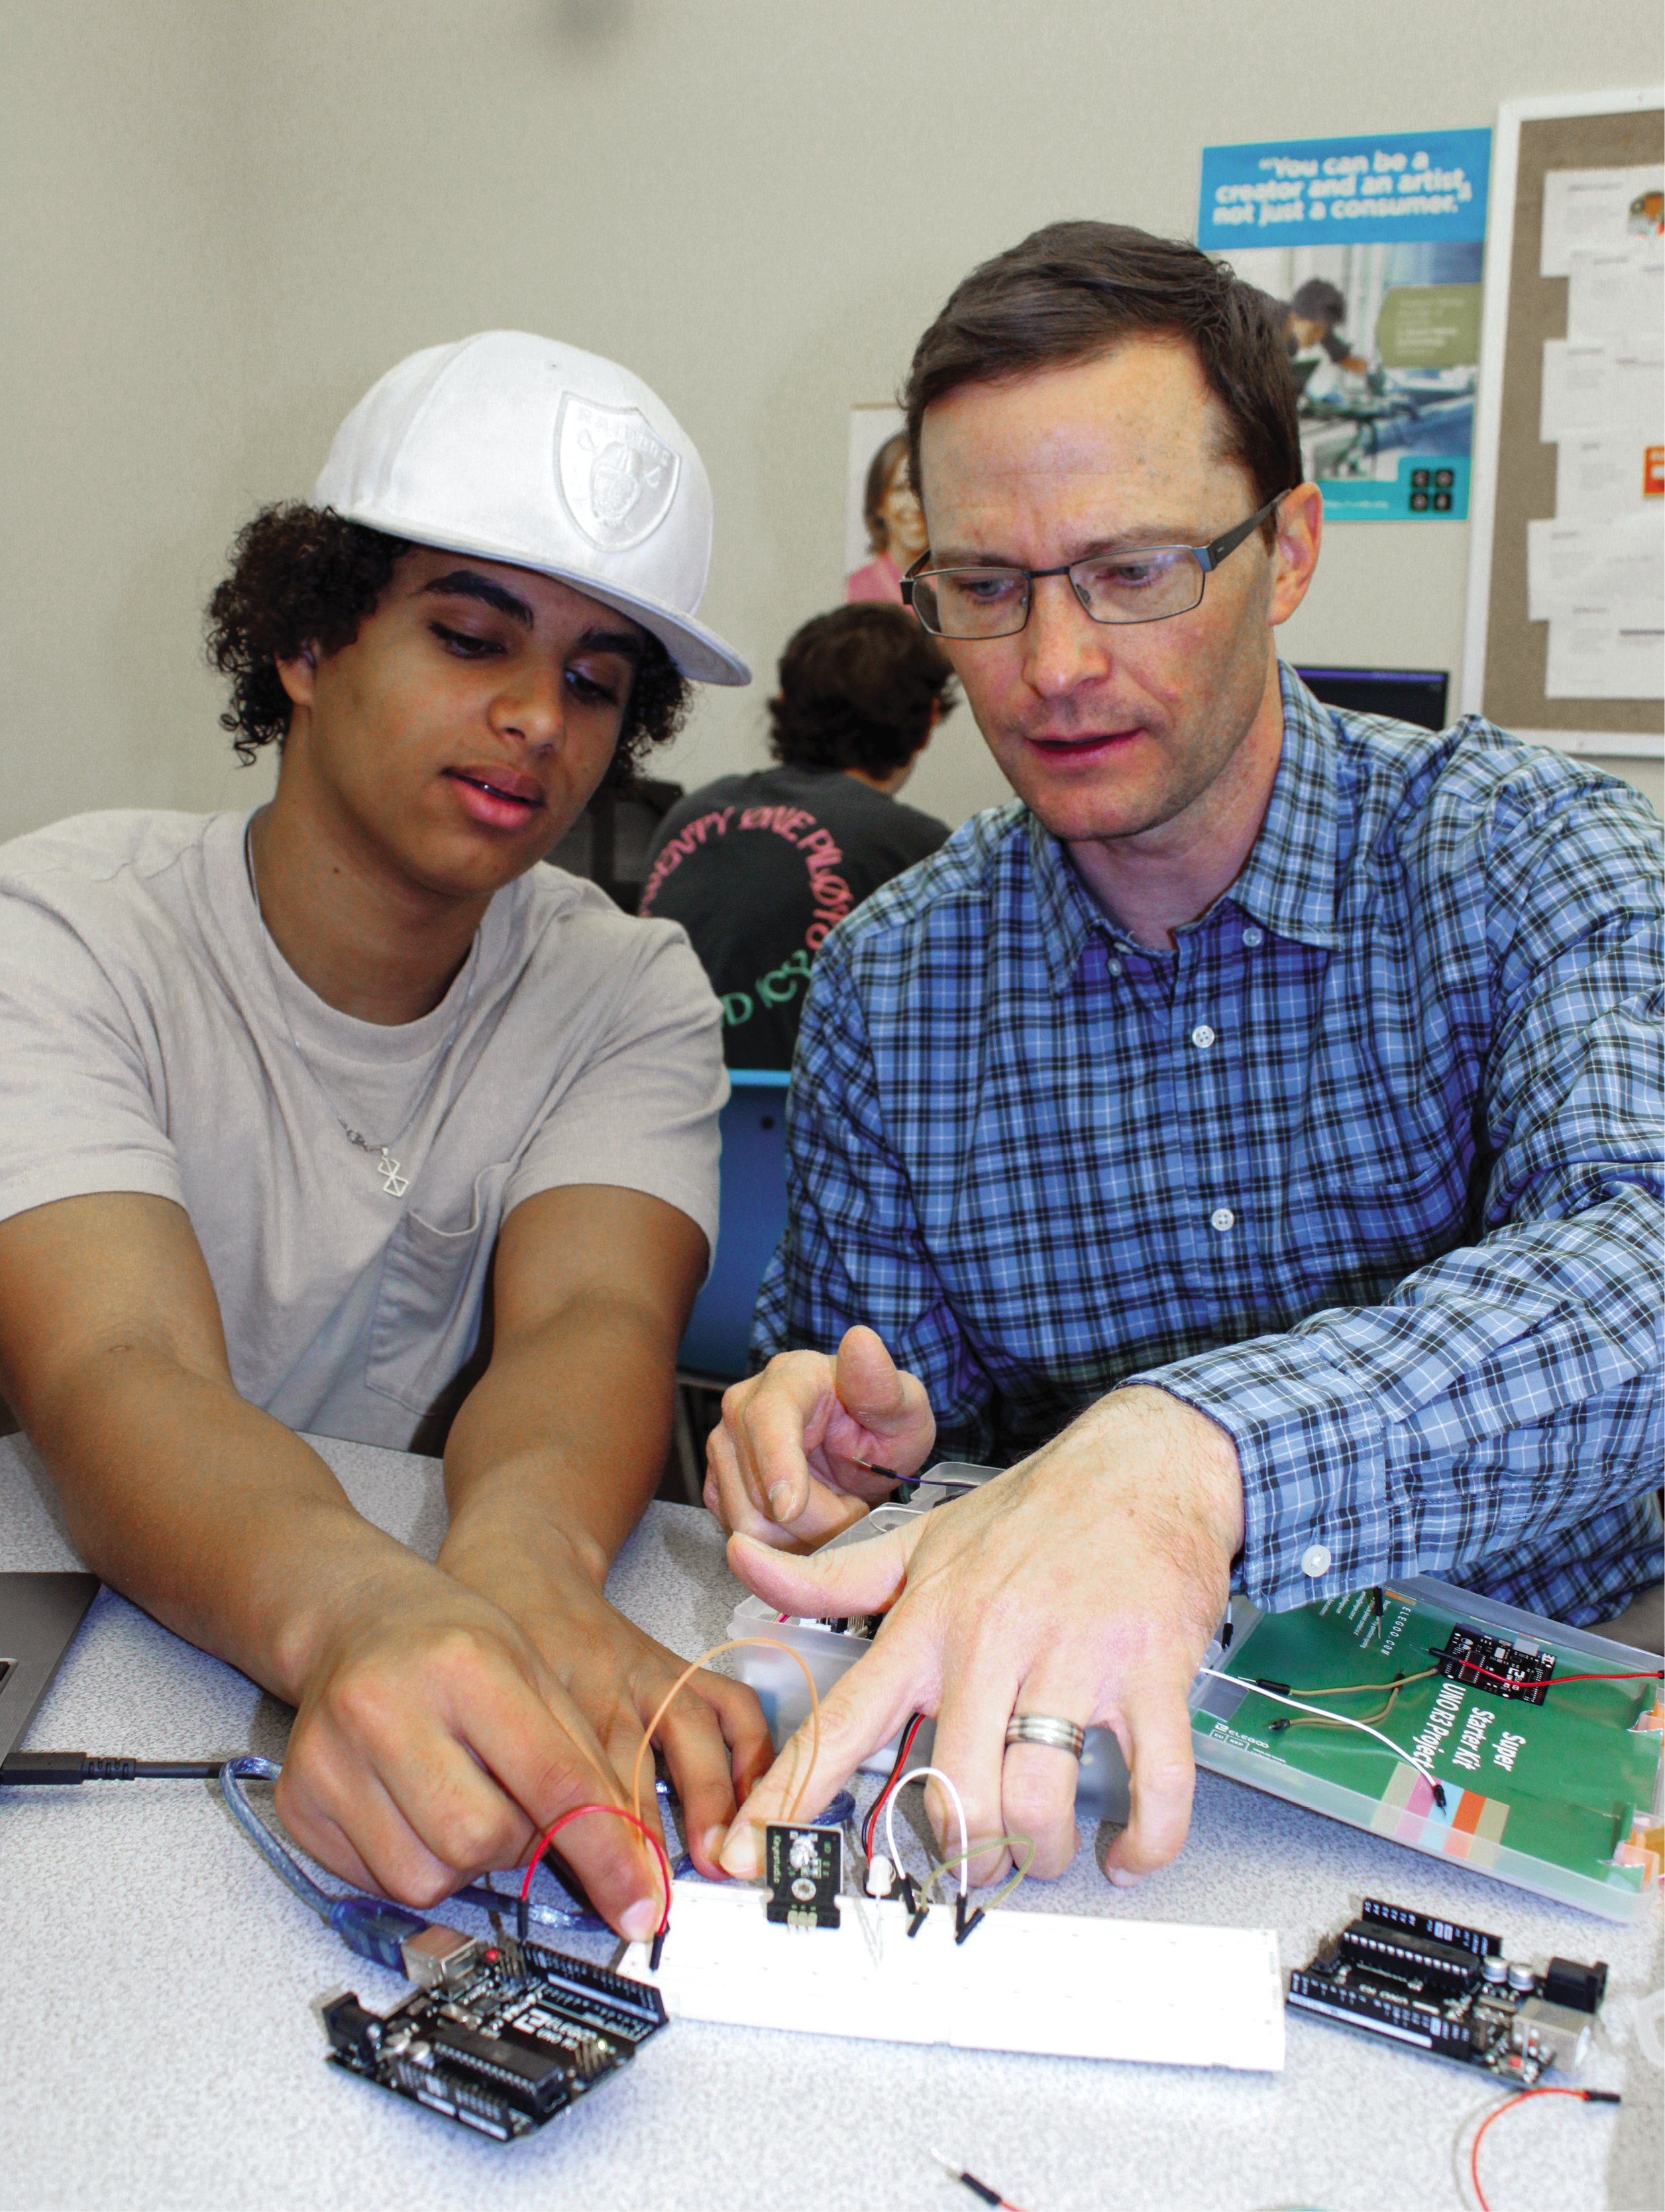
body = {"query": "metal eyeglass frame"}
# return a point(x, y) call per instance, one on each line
point(1207, 558)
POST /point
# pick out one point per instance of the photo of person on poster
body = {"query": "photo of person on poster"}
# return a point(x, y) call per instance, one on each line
point(1384, 344)
point(1369, 251)
point(1312, 325)
point(891, 515)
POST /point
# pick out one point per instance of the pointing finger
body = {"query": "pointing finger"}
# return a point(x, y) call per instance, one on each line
point(865, 1578)
point(865, 1711)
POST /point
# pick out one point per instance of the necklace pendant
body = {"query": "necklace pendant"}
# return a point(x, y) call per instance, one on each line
point(393, 1181)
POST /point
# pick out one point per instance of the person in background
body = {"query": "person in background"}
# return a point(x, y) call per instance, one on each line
point(896, 525)
point(1313, 318)
point(758, 868)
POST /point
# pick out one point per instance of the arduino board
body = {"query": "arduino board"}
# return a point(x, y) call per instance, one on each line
point(501, 2037)
point(1447, 1990)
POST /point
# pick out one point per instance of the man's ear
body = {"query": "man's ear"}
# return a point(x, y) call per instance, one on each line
point(299, 676)
point(1300, 527)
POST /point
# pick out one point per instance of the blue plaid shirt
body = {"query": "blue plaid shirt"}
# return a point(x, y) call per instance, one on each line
point(1367, 1170)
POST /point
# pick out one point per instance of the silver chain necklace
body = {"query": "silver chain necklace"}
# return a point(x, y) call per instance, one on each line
point(393, 1181)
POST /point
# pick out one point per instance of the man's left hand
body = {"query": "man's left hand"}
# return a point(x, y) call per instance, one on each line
point(1084, 1583)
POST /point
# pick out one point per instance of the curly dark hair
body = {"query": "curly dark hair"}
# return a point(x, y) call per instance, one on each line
point(301, 576)
point(857, 689)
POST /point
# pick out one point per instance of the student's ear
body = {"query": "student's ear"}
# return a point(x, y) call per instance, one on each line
point(298, 676)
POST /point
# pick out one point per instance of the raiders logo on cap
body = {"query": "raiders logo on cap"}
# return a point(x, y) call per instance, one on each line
point(518, 448)
point(617, 479)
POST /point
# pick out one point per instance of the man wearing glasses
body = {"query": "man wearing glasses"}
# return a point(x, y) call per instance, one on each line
point(1247, 1138)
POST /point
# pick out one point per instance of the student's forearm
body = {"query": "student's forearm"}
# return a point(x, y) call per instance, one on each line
point(207, 1512)
point(560, 1445)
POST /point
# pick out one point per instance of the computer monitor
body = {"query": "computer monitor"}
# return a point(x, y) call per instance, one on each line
point(609, 842)
point(1405, 695)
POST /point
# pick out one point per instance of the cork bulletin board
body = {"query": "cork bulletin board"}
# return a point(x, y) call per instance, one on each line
point(1505, 656)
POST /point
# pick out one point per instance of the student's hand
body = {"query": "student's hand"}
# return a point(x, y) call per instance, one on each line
point(1084, 1584)
point(432, 1744)
point(713, 1736)
point(791, 1464)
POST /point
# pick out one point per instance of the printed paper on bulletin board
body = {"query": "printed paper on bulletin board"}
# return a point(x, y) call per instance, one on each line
point(1507, 674)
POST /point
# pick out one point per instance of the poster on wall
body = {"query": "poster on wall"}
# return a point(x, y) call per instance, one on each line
point(884, 526)
point(1371, 248)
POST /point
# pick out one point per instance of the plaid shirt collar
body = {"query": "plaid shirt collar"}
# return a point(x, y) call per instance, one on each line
point(1287, 883)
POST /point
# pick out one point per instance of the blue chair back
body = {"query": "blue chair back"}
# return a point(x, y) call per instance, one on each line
point(752, 1214)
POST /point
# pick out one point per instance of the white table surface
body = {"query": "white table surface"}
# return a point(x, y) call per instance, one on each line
point(160, 2045)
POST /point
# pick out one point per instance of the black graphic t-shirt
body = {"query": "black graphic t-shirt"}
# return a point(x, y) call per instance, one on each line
point(757, 869)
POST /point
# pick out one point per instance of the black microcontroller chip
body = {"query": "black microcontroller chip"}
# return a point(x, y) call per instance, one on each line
point(513, 2038)
point(1500, 1670)
point(804, 1869)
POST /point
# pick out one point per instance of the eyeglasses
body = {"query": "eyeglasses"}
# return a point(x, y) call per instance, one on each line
point(1147, 583)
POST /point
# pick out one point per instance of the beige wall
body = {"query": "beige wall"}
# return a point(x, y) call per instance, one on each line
point(225, 219)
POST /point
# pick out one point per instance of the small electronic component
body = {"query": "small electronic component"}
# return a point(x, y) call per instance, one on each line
point(804, 1870)
point(1446, 1989)
point(1501, 1670)
point(499, 2038)
point(979, 2189)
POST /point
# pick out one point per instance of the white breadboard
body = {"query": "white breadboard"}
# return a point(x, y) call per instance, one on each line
point(1049, 1983)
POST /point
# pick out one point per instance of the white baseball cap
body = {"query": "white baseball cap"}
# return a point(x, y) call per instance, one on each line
point(519, 449)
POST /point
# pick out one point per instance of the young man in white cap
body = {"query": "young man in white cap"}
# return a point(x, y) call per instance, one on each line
point(342, 1117)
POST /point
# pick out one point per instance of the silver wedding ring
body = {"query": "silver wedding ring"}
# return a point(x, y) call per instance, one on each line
point(1046, 1728)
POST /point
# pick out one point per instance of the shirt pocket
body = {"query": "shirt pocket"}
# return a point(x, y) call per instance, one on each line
point(427, 1318)
point(1359, 1234)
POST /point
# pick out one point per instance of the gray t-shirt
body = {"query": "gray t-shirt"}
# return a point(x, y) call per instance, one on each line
point(147, 1044)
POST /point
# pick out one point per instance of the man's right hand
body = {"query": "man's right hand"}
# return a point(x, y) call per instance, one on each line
point(793, 1461)
point(432, 1744)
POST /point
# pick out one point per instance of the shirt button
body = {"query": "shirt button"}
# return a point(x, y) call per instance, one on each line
point(1315, 1560)
point(1251, 937)
point(1112, 967)
point(1222, 1218)
point(1202, 1036)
